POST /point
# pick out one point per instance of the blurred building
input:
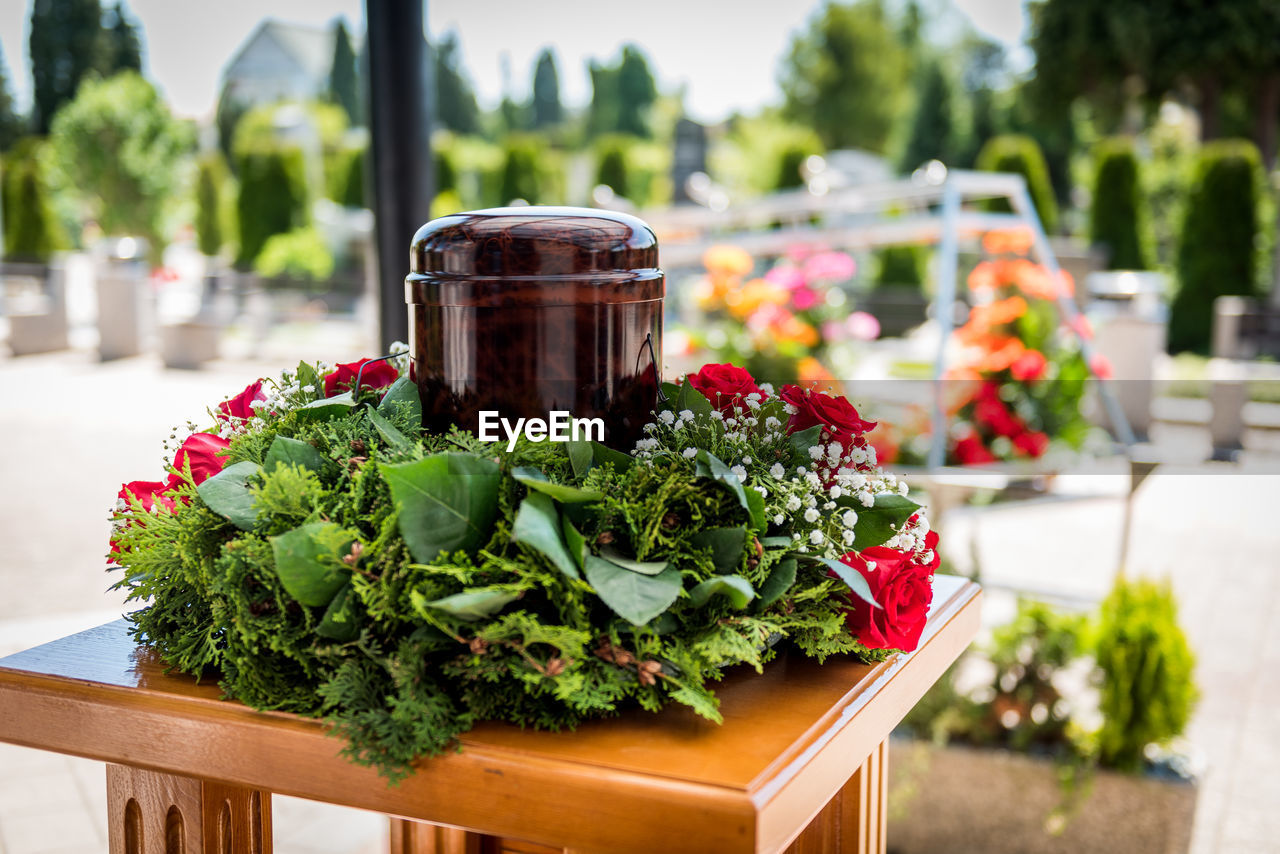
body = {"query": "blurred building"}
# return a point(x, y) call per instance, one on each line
point(280, 62)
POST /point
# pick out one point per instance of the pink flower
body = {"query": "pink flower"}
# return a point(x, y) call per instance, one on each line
point(785, 277)
point(830, 267)
point(805, 298)
point(863, 326)
point(833, 330)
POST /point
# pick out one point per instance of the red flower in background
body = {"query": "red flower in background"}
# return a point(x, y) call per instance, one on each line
point(241, 406)
point(725, 386)
point(343, 377)
point(1029, 366)
point(970, 451)
point(1033, 443)
point(902, 587)
point(148, 492)
point(835, 413)
point(990, 410)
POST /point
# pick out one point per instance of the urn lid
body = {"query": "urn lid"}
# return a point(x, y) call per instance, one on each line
point(535, 241)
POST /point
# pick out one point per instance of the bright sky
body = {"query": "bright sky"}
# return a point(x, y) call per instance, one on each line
point(725, 52)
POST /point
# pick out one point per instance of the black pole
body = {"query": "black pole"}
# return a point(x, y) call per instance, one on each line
point(400, 148)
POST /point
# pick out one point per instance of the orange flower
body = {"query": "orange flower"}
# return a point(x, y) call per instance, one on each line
point(985, 276)
point(811, 371)
point(746, 300)
point(1001, 355)
point(711, 292)
point(788, 328)
point(1036, 282)
point(998, 313)
point(727, 261)
point(1013, 241)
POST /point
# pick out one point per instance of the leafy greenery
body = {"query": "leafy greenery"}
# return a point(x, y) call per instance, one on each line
point(403, 586)
point(1146, 666)
point(31, 231)
point(1217, 254)
point(898, 266)
point(298, 254)
point(117, 147)
point(1117, 218)
point(211, 177)
point(621, 95)
point(272, 199)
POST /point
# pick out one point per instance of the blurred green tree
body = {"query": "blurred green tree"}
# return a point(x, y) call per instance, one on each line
point(118, 148)
point(547, 109)
point(31, 232)
point(273, 198)
point(211, 177)
point(342, 74)
point(64, 45)
point(934, 135)
point(1218, 249)
point(1021, 155)
point(229, 112)
point(621, 95)
point(521, 178)
point(611, 165)
point(12, 125)
point(791, 157)
point(121, 48)
point(1118, 214)
point(350, 190)
point(455, 99)
point(847, 76)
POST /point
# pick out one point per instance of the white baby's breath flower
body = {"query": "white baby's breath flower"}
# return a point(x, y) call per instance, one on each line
point(689, 453)
point(836, 492)
point(772, 423)
point(849, 518)
point(686, 414)
point(811, 515)
point(793, 503)
point(739, 471)
point(778, 519)
point(764, 493)
point(871, 565)
point(309, 388)
point(776, 471)
point(667, 416)
point(903, 489)
point(815, 452)
point(746, 461)
point(867, 499)
point(815, 537)
point(715, 414)
point(767, 388)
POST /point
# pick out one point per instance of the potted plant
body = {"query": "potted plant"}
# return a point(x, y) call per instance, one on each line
point(1065, 748)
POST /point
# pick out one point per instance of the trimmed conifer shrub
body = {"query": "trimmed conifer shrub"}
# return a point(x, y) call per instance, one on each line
point(611, 166)
point(1118, 217)
point(1217, 250)
point(521, 178)
point(211, 177)
point(1021, 155)
point(30, 228)
point(272, 200)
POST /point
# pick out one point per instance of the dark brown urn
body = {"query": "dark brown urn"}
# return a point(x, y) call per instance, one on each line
point(530, 310)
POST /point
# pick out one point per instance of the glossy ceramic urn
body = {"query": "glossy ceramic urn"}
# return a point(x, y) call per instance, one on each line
point(530, 310)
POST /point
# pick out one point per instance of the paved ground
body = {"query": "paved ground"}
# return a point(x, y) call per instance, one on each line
point(73, 430)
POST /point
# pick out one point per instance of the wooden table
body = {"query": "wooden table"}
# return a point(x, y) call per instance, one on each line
point(798, 765)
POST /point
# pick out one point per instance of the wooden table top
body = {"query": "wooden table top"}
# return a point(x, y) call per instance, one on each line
point(639, 782)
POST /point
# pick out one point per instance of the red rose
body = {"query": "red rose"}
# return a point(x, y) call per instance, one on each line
point(835, 413)
point(725, 386)
point(377, 375)
point(1029, 366)
point(200, 451)
point(1033, 443)
point(241, 406)
point(148, 492)
point(970, 451)
point(990, 410)
point(904, 590)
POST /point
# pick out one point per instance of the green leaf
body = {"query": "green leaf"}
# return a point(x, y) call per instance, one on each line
point(874, 522)
point(327, 408)
point(227, 494)
point(293, 452)
point(778, 582)
point(734, 587)
point(801, 441)
point(309, 561)
point(389, 433)
point(339, 621)
point(604, 455)
point(309, 376)
point(537, 525)
point(576, 542)
point(851, 577)
point(693, 400)
point(581, 456)
point(634, 597)
point(536, 480)
point(775, 542)
point(672, 392)
point(644, 568)
point(472, 605)
point(403, 390)
point(726, 546)
point(447, 502)
point(708, 465)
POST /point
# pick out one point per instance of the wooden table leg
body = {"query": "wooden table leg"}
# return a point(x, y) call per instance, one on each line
point(419, 837)
point(153, 813)
point(856, 819)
